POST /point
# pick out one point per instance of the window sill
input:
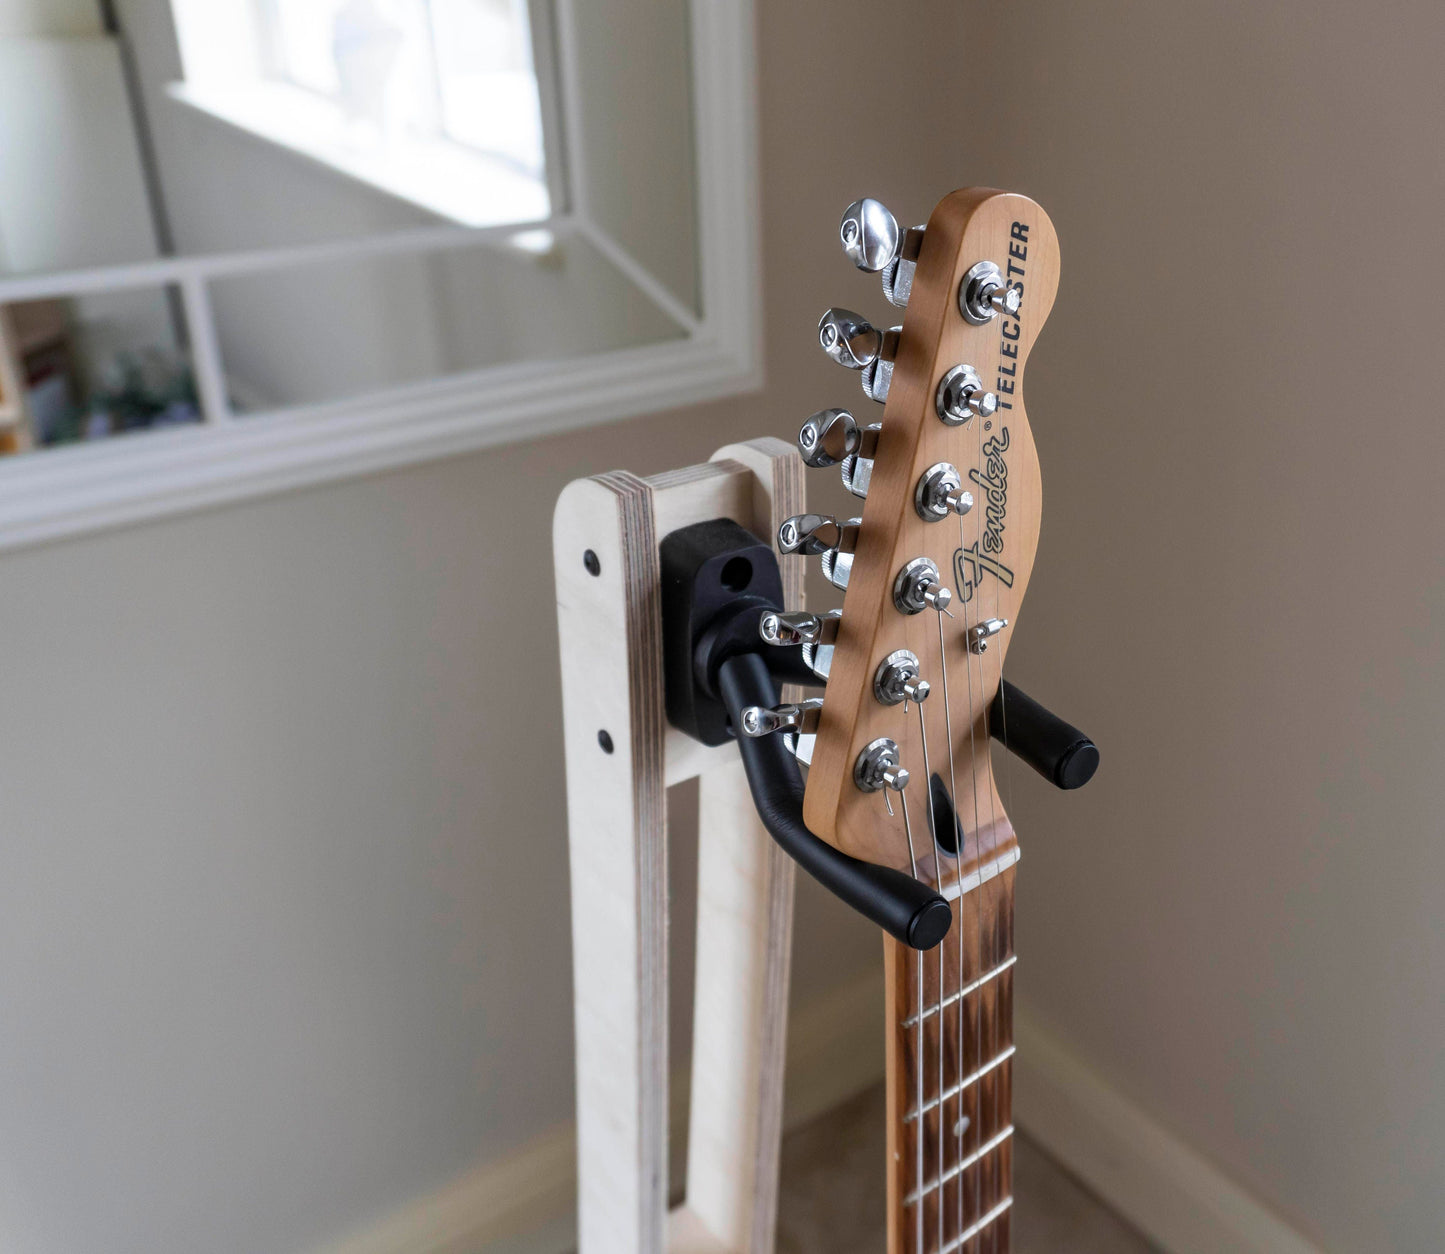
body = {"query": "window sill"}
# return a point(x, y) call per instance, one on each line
point(453, 182)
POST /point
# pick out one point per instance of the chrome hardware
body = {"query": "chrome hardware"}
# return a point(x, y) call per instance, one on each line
point(836, 558)
point(818, 658)
point(961, 396)
point(800, 745)
point(983, 294)
point(978, 635)
point(878, 768)
point(877, 375)
point(809, 534)
point(857, 474)
point(897, 679)
point(828, 437)
point(799, 627)
point(857, 469)
point(837, 566)
point(918, 588)
point(897, 275)
point(759, 720)
point(849, 338)
point(869, 234)
point(940, 492)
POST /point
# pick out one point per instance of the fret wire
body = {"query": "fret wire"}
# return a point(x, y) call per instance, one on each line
point(959, 1168)
point(928, 1011)
point(958, 1088)
point(963, 1238)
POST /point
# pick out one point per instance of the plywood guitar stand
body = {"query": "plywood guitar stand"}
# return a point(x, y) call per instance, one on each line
point(621, 757)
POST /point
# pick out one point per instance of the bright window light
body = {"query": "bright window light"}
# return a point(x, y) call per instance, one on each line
point(435, 101)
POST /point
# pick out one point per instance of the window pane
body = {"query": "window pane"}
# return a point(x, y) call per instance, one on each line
point(371, 323)
point(91, 367)
point(486, 80)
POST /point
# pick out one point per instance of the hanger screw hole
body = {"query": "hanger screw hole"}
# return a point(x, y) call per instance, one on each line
point(605, 740)
point(594, 567)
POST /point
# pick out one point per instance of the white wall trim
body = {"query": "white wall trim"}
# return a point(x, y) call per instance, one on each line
point(65, 492)
point(523, 1204)
point(1168, 1190)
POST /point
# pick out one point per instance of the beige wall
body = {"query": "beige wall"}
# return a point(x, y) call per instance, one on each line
point(280, 780)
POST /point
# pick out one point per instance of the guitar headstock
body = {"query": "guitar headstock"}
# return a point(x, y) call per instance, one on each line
point(936, 568)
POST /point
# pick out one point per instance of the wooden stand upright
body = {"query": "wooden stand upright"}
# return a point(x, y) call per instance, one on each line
point(621, 756)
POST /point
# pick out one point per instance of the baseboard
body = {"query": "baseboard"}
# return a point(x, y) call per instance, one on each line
point(523, 1204)
point(1175, 1196)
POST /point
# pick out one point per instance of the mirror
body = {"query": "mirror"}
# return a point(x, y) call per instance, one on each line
point(222, 212)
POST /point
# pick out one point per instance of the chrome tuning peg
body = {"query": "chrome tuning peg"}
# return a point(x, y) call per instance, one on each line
point(869, 234)
point(878, 767)
point(857, 468)
point(809, 534)
point(849, 338)
point(816, 634)
point(799, 627)
point(961, 396)
point(983, 294)
point(828, 437)
point(759, 720)
point(877, 376)
point(898, 679)
point(897, 275)
point(919, 587)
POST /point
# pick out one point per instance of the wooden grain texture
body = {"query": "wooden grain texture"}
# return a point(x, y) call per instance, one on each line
point(968, 226)
point(972, 1035)
point(610, 636)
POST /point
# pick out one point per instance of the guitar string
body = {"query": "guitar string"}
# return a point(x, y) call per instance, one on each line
point(975, 1124)
point(958, 854)
point(918, 1063)
point(995, 1025)
point(922, 1025)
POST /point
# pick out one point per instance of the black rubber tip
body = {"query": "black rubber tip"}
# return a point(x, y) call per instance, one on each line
point(1076, 768)
point(930, 925)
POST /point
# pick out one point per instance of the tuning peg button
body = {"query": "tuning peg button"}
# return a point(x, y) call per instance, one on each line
point(849, 338)
point(799, 627)
point(828, 437)
point(759, 720)
point(869, 234)
point(809, 534)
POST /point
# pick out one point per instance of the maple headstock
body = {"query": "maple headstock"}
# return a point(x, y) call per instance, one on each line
point(925, 580)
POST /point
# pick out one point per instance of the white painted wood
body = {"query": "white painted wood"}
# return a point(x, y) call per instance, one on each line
point(610, 634)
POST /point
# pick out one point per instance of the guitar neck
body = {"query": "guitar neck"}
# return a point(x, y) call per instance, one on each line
point(950, 1049)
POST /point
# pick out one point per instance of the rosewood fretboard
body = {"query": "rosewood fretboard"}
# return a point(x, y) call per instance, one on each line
point(959, 1198)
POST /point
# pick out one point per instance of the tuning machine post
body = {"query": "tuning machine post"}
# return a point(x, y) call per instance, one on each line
point(961, 397)
point(878, 767)
point(983, 294)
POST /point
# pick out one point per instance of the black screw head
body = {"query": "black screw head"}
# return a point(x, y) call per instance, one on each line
point(594, 567)
point(605, 740)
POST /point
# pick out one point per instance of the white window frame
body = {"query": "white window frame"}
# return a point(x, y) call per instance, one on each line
point(73, 490)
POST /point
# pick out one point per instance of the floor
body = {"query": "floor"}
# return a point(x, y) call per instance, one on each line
point(832, 1194)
